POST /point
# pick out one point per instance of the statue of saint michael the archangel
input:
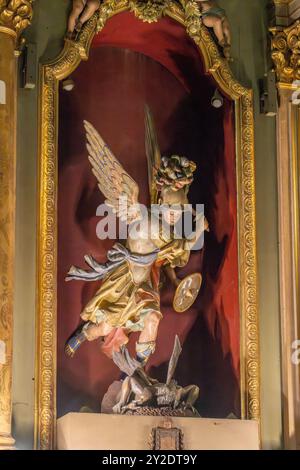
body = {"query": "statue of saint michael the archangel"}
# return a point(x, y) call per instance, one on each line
point(128, 299)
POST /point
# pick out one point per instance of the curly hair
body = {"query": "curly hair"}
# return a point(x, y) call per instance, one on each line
point(175, 172)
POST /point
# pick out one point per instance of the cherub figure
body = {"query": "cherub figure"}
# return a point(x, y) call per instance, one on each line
point(213, 16)
point(128, 299)
point(81, 12)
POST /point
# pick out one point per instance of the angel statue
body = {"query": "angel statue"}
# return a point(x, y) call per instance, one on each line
point(213, 16)
point(82, 11)
point(128, 299)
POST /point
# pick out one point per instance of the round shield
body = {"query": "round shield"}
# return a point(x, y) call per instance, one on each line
point(186, 293)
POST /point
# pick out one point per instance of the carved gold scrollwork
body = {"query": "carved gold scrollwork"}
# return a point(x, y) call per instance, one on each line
point(149, 11)
point(286, 52)
point(107, 9)
point(193, 20)
point(186, 13)
point(15, 15)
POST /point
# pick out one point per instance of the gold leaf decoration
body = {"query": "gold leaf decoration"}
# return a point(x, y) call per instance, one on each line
point(286, 52)
point(16, 15)
point(149, 11)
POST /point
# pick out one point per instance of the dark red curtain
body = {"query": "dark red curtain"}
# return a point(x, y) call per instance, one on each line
point(133, 63)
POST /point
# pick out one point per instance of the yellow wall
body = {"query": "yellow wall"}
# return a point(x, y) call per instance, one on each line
point(249, 25)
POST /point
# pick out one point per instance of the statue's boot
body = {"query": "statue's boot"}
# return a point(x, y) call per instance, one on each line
point(144, 351)
point(123, 376)
point(76, 340)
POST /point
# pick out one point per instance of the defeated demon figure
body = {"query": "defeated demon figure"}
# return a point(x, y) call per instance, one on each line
point(215, 17)
point(140, 390)
point(81, 12)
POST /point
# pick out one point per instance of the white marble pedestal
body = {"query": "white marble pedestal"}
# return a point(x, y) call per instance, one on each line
point(89, 431)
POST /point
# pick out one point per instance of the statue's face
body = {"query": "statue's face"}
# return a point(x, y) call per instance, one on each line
point(173, 204)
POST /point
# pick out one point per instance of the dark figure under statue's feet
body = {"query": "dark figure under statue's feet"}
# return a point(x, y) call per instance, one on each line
point(141, 394)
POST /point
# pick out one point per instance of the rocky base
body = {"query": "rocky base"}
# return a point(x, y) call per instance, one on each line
point(112, 395)
point(162, 411)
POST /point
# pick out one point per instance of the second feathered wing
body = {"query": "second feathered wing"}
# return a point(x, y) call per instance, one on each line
point(119, 189)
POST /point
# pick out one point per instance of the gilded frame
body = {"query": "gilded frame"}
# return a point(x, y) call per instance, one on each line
point(187, 14)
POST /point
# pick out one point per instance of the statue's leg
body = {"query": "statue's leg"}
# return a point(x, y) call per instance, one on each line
point(125, 395)
point(227, 38)
point(147, 339)
point(78, 6)
point(212, 21)
point(97, 330)
point(191, 393)
point(227, 31)
point(143, 397)
point(88, 331)
point(219, 31)
point(91, 7)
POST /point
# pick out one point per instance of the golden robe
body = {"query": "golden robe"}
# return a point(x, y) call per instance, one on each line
point(121, 303)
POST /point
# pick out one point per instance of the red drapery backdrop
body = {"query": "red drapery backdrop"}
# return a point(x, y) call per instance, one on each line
point(133, 63)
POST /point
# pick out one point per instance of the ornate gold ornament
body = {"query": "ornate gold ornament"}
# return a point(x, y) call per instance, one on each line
point(286, 52)
point(149, 11)
point(59, 69)
point(15, 15)
point(193, 20)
